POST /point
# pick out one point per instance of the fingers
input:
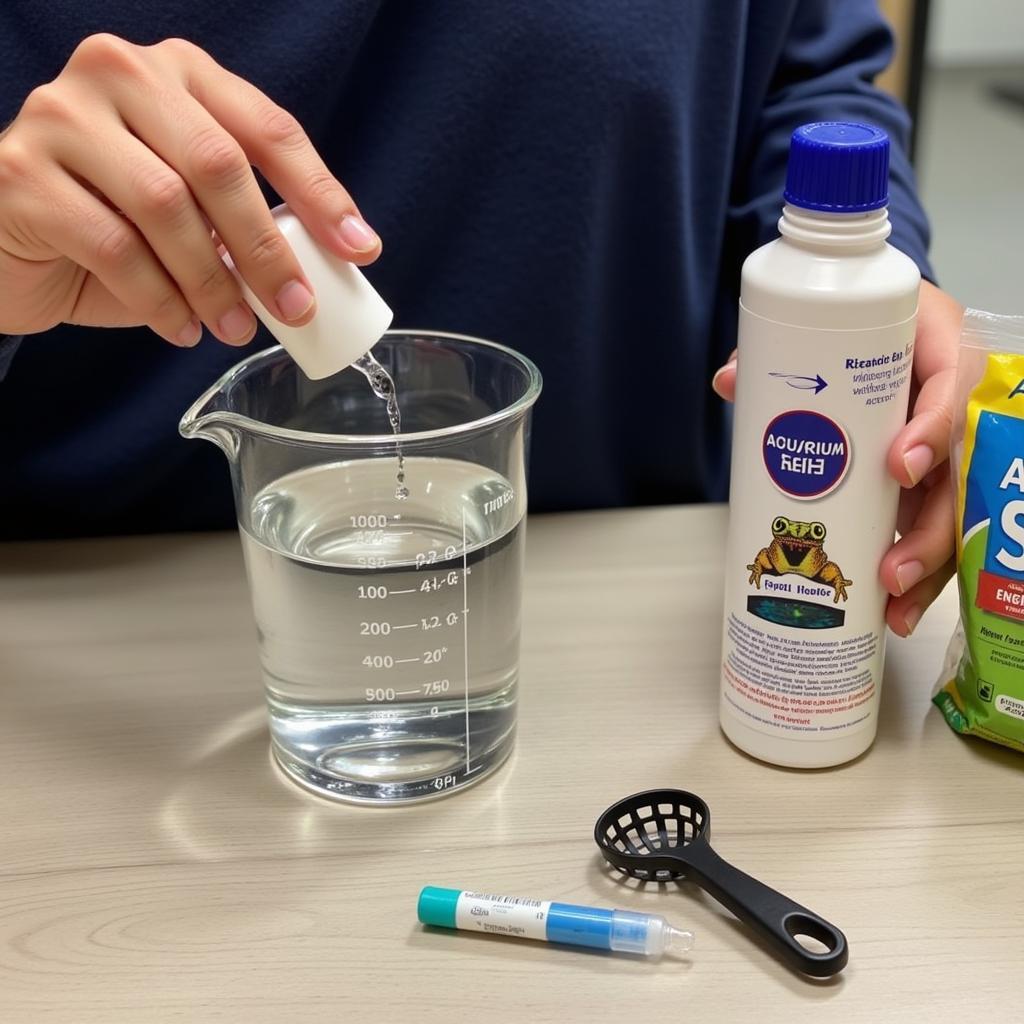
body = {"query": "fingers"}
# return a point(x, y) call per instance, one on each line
point(724, 381)
point(938, 331)
point(273, 140)
point(202, 130)
point(203, 161)
point(910, 506)
point(918, 566)
point(84, 228)
point(926, 547)
point(923, 443)
point(904, 612)
point(157, 200)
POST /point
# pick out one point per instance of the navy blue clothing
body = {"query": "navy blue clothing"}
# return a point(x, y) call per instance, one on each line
point(579, 180)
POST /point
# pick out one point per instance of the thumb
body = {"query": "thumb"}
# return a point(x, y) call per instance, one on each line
point(97, 307)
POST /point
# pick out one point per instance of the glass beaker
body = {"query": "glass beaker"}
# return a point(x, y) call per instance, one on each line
point(388, 626)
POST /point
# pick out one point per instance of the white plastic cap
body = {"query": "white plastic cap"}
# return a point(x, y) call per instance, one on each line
point(350, 315)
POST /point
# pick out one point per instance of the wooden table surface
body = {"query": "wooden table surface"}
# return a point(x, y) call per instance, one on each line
point(154, 867)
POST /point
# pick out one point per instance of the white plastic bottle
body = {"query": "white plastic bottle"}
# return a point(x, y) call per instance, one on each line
point(826, 339)
point(350, 315)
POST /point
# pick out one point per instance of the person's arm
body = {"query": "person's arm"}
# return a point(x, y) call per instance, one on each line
point(824, 72)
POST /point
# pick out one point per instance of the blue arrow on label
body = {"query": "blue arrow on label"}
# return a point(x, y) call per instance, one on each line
point(815, 383)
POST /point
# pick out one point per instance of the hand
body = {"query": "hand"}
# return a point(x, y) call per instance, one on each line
point(119, 178)
point(919, 564)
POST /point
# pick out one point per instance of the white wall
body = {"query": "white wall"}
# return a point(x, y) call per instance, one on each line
point(976, 32)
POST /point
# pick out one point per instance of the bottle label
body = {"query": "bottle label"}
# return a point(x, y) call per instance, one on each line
point(502, 915)
point(805, 453)
point(812, 512)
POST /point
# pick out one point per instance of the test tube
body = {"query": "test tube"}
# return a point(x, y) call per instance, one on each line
point(622, 931)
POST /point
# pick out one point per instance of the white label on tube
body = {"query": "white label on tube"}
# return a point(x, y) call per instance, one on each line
point(502, 915)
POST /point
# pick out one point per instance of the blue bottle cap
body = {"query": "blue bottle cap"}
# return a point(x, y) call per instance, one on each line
point(838, 167)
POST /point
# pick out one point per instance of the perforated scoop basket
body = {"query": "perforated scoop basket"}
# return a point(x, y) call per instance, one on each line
point(664, 834)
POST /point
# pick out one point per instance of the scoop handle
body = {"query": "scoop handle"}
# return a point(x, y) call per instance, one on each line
point(775, 918)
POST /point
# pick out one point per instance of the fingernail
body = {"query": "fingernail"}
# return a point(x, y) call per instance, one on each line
point(357, 234)
point(190, 334)
point(237, 324)
point(918, 461)
point(718, 374)
point(912, 617)
point(908, 574)
point(293, 300)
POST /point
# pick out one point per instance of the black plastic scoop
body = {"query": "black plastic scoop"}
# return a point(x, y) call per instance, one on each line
point(664, 834)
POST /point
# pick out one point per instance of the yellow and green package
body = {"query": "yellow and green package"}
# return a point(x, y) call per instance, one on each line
point(982, 687)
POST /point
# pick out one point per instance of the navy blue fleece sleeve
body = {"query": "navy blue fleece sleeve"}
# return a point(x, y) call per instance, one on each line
point(8, 346)
point(825, 71)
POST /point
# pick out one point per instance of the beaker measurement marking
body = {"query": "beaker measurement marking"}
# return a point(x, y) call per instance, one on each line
point(389, 660)
point(426, 624)
point(374, 628)
point(410, 591)
point(371, 520)
point(372, 537)
point(436, 712)
point(435, 583)
point(430, 557)
point(387, 694)
point(465, 631)
point(437, 622)
point(384, 694)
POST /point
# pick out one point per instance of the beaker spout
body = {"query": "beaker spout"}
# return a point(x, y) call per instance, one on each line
point(210, 420)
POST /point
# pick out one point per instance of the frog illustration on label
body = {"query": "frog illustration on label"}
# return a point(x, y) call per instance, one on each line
point(797, 548)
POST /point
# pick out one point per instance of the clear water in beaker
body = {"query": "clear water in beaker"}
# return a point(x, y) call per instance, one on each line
point(388, 626)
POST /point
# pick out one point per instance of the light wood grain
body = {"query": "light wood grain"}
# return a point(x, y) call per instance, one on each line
point(154, 867)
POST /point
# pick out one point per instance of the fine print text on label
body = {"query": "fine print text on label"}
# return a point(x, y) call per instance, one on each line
point(502, 915)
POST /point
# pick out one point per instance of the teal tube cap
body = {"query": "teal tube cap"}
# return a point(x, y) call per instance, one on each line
point(437, 906)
